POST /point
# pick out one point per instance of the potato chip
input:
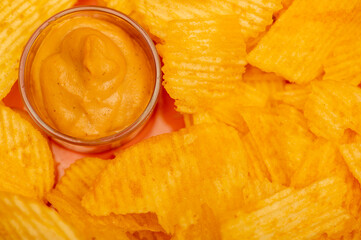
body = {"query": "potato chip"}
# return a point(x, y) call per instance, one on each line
point(344, 63)
point(352, 155)
point(304, 214)
point(350, 136)
point(228, 110)
point(253, 15)
point(204, 117)
point(286, 4)
point(256, 190)
point(199, 118)
point(352, 198)
point(268, 83)
point(66, 198)
point(123, 6)
point(188, 120)
point(25, 218)
point(298, 43)
point(333, 107)
point(293, 94)
point(321, 160)
point(19, 19)
point(207, 227)
point(257, 169)
point(203, 63)
point(27, 165)
point(281, 137)
point(172, 175)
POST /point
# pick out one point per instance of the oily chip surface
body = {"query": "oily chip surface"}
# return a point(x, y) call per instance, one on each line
point(253, 15)
point(173, 175)
point(66, 199)
point(317, 209)
point(204, 62)
point(25, 218)
point(298, 43)
point(27, 165)
point(270, 94)
point(332, 108)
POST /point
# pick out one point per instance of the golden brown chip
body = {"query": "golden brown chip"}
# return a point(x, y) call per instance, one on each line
point(228, 110)
point(352, 155)
point(298, 43)
point(350, 136)
point(304, 214)
point(188, 120)
point(256, 190)
point(199, 118)
point(268, 83)
point(253, 15)
point(333, 107)
point(27, 165)
point(294, 94)
point(257, 168)
point(19, 19)
point(66, 198)
point(207, 227)
point(172, 175)
point(286, 4)
point(203, 117)
point(25, 218)
point(321, 160)
point(344, 63)
point(203, 63)
point(281, 137)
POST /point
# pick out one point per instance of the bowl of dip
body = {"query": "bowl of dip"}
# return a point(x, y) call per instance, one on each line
point(90, 78)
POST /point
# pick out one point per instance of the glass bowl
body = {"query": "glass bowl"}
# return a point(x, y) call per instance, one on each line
point(136, 32)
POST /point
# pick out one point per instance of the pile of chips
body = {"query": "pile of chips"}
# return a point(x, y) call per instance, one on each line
point(270, 95)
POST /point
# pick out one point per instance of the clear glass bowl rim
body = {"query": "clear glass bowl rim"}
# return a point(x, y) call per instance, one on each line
point(104, 140)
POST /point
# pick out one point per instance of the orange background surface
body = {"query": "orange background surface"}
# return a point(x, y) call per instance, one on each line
point(165, 119)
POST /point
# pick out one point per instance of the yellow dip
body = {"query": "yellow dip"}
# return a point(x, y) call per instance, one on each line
point(90, 79)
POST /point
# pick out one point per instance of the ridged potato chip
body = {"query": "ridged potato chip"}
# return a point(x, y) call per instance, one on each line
point(199, 118)
point(19, 19)
point(321, 160)
point(282, 138)
point(286, 4)
point(257, 168)
point(299, 42)
point(352, 155)
point(228, 110)
point(27, 165)
point(207, 227)
point(268, 83)
point(66, 199)
point(333, 107)
point(293, 94)
point(203, 63)
point(257, 190)
point(25, 218)
point(172, 175)
point(203, 117)
point(304, 214)
point(253, 15)
point(344, 63)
